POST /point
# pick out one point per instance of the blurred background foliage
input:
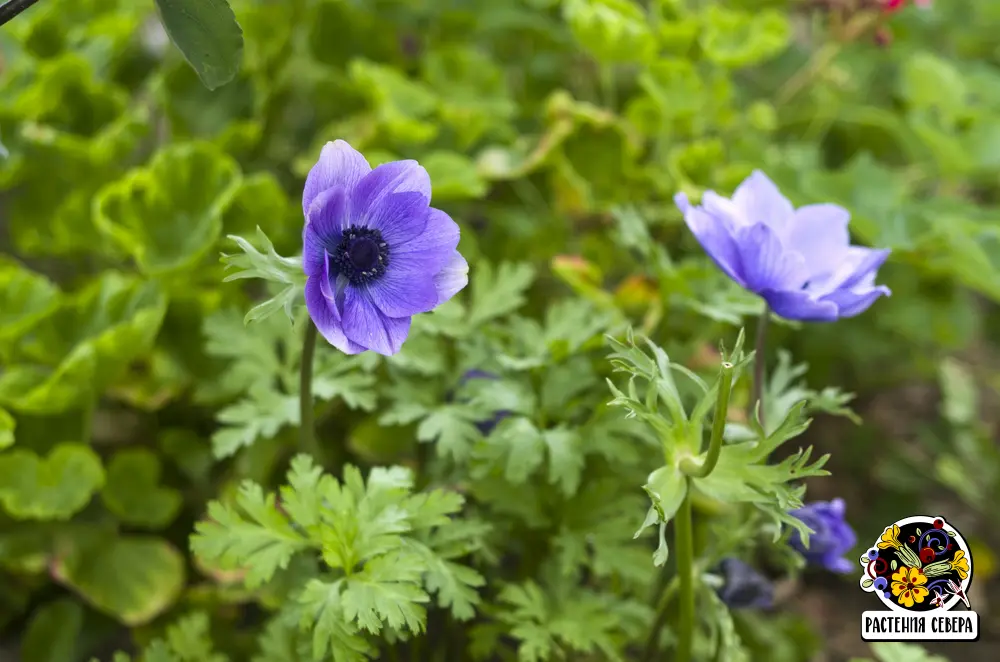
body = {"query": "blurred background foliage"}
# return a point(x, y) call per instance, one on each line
point(556, 134)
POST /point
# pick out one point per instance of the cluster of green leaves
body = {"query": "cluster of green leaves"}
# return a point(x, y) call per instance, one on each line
point(149, 390)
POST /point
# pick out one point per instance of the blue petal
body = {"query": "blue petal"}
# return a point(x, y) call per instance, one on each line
point(328, 216)
point(435, 244)
point(324, 315)
point(394, 177)
point(365, 325)
point(406, 288)
point(854, 302)
point(713, 233)
point(400, 217)
point(339, 166)
point(767, 265)
point(799, 305)
point(762, 202)
point(450, 280)
point(819, 233)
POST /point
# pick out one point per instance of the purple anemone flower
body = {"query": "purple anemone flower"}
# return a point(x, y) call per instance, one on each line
point(374, 251)
point(744, 587)
point(832, 536)
point(800, 261)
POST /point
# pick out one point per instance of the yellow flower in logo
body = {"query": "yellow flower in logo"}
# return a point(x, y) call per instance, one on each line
point(960, 564)
point(890, 538)
point(908, 586)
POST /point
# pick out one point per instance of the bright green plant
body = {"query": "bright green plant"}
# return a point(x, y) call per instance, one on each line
point(169, 491)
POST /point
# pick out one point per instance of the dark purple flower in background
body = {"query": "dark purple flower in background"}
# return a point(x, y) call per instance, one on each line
point(374, 251)
point(485, 426)
point(800, 261)
point(832, 536)
point(744, 587)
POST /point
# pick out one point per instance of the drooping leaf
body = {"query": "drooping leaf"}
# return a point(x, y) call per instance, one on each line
point(207, 34)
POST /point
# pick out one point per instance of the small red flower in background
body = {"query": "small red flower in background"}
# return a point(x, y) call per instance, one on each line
point(896, 5)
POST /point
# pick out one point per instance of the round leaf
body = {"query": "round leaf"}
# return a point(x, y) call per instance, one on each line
point(132, 492)
point(169, 215)
point(53, 488)
point(132, 578)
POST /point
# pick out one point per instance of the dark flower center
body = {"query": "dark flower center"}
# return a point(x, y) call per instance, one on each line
point(361, 256)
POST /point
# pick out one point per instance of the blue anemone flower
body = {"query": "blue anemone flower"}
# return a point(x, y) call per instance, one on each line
point(743, 587)
point(832, 536)
point(800, 261)
point(374, 251)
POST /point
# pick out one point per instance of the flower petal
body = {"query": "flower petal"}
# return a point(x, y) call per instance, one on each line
point(326, 319)
point(328, 216)
point(766, 263)
point(365, 325)
point(393, 177)
point(713, 233)
point(854, 302)
point(400, 217)
point(799, 305)
point(435, 244)
point(819, 233)
point(406, 288)
point(339, 166)
point(858, 266)
point(313, 252)
point(450, 280)
point(761, 201)
point(838, 564)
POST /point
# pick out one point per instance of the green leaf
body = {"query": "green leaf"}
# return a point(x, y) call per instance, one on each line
point(251, 535)
point(666, 488)
point(891, 651)
point(132, 578)
point(7, 425)
point(737, 39)
point(259, 415)
point(453, 429)
point(285, 272)
point(52, 634)
point(454, 176)
point(25, 298)
point(168, 215)
point(387, 591)
point(207, 34)
point(189, 640)
point(53, 488)
point(497, 292)
point(333, 635)
point(132, 491)
point(959, 393)
point(70, 357)
point(566, 459)
point(613, 30)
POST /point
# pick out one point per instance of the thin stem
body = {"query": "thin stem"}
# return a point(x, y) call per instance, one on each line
point(608, 85)
point(661, 619)
point(823, 57)
point(759, 366)
point(307, 432)
point(684, 551)
point(689, 465)
point(12, 9)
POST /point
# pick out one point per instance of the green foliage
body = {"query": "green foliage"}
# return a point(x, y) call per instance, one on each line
point(151, 324)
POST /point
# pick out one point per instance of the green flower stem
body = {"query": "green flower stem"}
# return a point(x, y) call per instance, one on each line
point(661, 618)
point(307, 432)
point(13, 8)
point(759, 366)
point(684, 551)
point(694, 468)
